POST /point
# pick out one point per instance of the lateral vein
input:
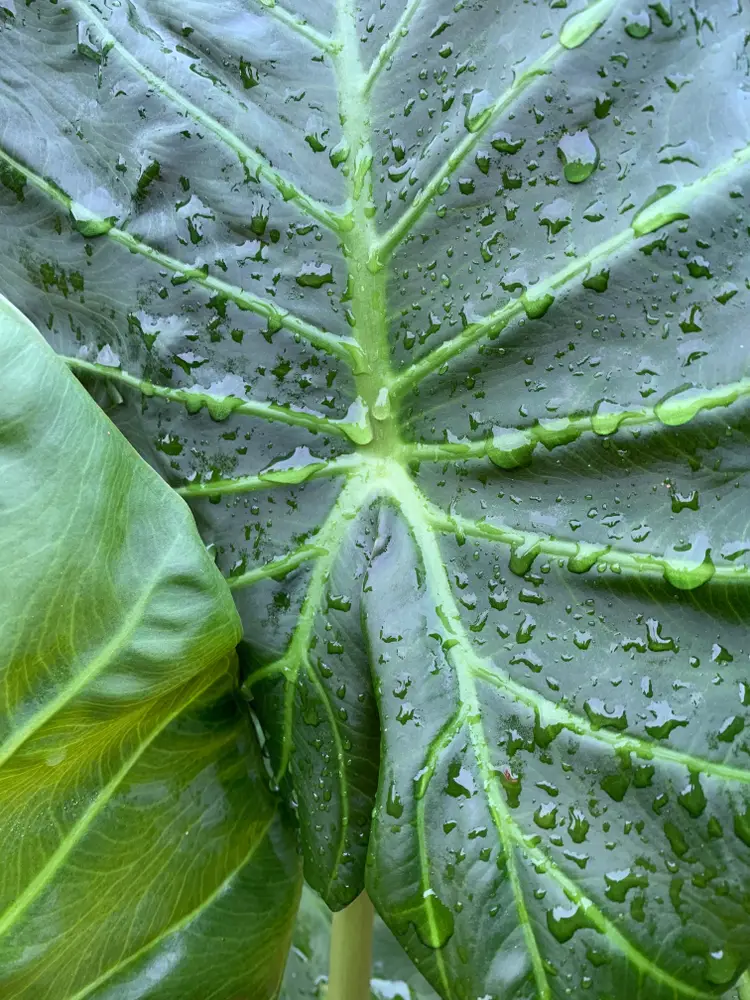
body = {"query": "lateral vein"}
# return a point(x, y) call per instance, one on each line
point(298, 25)
point(196, 399)
point(512, 447)
point(343, 347)
point(390, 45)
point(249, 157)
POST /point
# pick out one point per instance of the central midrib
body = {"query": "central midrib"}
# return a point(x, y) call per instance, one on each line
point(367, 284)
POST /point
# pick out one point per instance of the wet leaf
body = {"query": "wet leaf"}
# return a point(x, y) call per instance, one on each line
point(440, 326)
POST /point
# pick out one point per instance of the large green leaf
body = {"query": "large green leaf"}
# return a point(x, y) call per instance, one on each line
point(437, 312)
point(142, 852)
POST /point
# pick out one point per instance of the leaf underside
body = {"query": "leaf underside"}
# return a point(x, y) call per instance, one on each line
point(437, 314)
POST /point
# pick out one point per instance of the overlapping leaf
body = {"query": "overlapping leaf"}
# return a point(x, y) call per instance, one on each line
point(486, 265)
point(142, 852)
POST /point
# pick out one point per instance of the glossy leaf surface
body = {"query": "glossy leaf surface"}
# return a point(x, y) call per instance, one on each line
point(143, 856)
point(437, 311)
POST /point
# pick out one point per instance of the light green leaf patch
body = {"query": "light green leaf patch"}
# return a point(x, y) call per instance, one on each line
point(142, 852)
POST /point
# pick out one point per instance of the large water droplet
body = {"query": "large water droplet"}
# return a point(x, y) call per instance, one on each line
point(579, 156)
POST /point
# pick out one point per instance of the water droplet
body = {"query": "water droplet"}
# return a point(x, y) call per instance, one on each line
point(536, 302)
point(394, 806)
point(602, 717)
point(315, 275)
point(296, 468)
point(664, 720)
point(638, 25)
point(581, 26)
point(523, 554)
point(659, 209)
point(356, 425)
point(478, 111)
point(692, 798)
point(510, 448)
point(433, 921)
point(88, 224)
point(578, 825)
point(579, 156)
point(545, 816)
point(381, 409)
point(564, 921)
point(690, 568)
point(503, 143)
point(555, 216)
point(607, 417)
point(586, 557)
point(657, 642)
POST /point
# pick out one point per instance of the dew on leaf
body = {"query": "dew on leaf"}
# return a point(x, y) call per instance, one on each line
point(689, 568)
point(356, 425)
point(638, 25)
point(478, 110)
point(692, 798)
point(555, 216)
point(293, 469)
point(315, 275)
point(545, 816)
point(564, 921)
point(580, 26)
point(433, 921)
point(579, 156)
point(503, 143)
point(510, 448)
point(731, 728)
point(602, 717)
point(664, 720)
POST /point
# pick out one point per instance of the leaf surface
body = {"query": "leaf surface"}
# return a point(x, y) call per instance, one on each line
point(143, 856)
point(436, 313)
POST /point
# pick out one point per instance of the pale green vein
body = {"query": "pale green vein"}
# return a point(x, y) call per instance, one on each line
point(299, 25)
point(218, 406)
point(179, 925)
point(343, 347)
point(607, 927)
point(415, 509)
point(116, 644)
point(91, 225)
point(582, 557)
point(43, 879)
point(343, 466)
point(441, 742)
point(328, 539)
point(671, 207)
point(341, 770)
point(497, 321)
point(512, 447)
point(250, 158)
point(277, 569)
point(389, 46)
point(550, 714)
point(436, 184)
point(411, 504)
point(503, 823)
point(744, 987)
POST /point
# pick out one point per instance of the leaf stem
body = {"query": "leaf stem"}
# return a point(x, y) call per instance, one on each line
point(351, 951)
